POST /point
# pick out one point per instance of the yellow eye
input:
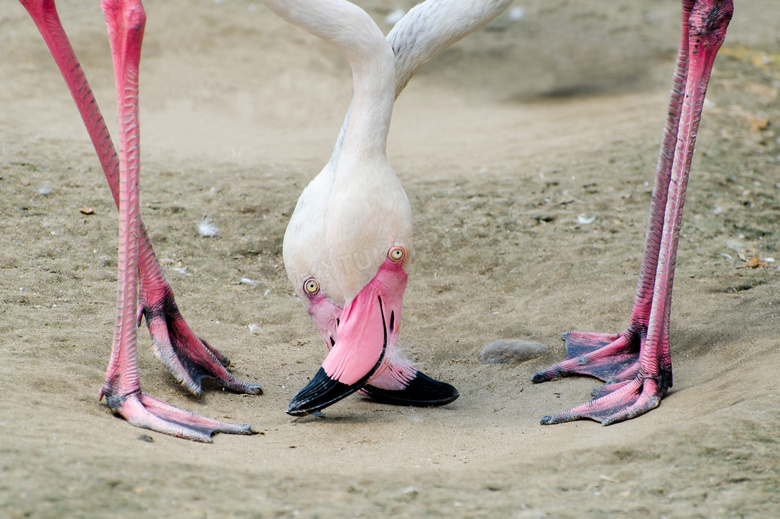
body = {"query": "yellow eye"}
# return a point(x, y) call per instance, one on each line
point(396, 254)
point(311, 287)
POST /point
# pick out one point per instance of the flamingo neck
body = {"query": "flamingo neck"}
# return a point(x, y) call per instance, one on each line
point(357, 37)
point(373, 79)
point(431, 27)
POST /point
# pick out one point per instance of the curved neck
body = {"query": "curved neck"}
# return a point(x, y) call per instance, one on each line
point(357, 37)
point(432, 26)
point(373, 79)
point(428, 29)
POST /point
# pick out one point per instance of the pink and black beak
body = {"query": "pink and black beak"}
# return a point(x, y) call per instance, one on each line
point(419, 391)
point(398, 382)
point(367, 324)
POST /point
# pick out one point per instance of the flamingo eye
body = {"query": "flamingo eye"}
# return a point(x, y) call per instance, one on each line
point(311, 287)
point(396, 254)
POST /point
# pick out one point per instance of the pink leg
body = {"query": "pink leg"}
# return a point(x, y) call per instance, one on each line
point(189, 358)
point(587, 353)
point(637, 363)
point(125, 20)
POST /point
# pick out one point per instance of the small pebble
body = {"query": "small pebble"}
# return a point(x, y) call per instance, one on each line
point(511, 350)
point(410, 491)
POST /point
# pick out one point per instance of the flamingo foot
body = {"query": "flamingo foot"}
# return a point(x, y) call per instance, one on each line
point(630, 400)
point(607, 357)
point(614, 386)
point(421, 391)
point(144, 411)
point(189, 358)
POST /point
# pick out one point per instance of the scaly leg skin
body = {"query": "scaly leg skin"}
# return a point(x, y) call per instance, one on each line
point(604, 356)
point(637, 364)
point(189, 358)
point(125, 20)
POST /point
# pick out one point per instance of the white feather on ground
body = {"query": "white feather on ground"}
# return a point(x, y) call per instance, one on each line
point(207, 229)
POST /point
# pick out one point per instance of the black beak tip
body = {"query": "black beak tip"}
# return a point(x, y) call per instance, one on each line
point(319, 393)
point(421, 391)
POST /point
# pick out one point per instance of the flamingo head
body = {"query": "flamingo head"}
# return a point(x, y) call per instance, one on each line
point(359, 336)
point(366, 280)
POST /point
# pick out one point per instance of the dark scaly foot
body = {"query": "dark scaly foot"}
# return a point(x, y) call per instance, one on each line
point(603, 356)
point(189, 358)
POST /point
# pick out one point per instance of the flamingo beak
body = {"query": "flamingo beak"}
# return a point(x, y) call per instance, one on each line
point(397, 382)
point(367, 324)
point(326, 316)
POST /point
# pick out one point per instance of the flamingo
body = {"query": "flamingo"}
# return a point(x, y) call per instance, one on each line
point(423, 33)
point(189, 358)
point(363, 186)
point(636, 364)
point(367, 212)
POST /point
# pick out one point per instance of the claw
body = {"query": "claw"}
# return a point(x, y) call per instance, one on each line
point(629, 401)
point(144, 411)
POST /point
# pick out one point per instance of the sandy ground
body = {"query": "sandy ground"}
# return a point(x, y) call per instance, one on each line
point(501, 143)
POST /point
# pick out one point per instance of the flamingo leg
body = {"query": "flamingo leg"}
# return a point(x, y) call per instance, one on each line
point(189, 358)
point(637, 364)
point(125, 20)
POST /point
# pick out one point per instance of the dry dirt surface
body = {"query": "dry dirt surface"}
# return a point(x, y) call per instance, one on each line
point(501, 143)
